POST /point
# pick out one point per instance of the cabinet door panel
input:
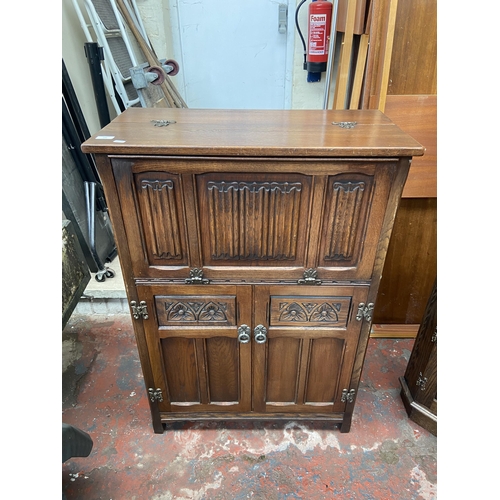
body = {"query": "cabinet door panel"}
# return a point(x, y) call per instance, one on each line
point(324, 369)
point(153, 214)
point(181, 369)
point(308, 357)
point(352, 220)
point(222, 368)
point(283, 369)
point(253, 221)
point(192, 337)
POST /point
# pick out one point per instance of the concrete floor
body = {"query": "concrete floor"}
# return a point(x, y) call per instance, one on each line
point(385, 456)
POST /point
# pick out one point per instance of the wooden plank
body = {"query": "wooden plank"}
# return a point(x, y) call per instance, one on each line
point(394, 331)
point(359, 72)
point(411, 264)
point(417, 116)
point(414, 58)
point(345, 58)
point(387, 55)
point(375, 29)
point(359, 16)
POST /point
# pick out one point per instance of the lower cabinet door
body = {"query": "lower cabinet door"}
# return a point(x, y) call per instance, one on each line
point(304, 345)
point(199, 344)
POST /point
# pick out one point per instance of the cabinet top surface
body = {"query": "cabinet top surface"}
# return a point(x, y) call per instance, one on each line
point(286, 133)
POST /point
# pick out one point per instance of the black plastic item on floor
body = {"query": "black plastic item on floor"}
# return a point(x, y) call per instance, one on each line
point(75, 442)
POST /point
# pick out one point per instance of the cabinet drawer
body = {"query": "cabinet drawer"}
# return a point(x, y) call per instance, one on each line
point(310, 311)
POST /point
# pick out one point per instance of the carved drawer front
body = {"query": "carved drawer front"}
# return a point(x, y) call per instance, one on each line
point(194, 310)
point(197, 357)
point(352, 220)
point(254, 221)
point(299, 311)
point(153, 215)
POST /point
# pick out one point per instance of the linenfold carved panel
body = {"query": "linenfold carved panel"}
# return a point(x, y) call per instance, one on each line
point(157, 199)
point(254, 220)
point(345, 218)
point(187, 310)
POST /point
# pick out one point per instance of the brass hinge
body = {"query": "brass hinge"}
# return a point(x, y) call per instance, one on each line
point(196, 277)
point(139, 311)
point(310, 278)
point(421, 381)
point(155, 395)
point(365, 311)
point(347, 396)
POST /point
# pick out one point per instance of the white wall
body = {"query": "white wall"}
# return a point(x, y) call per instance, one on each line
point(156, 17)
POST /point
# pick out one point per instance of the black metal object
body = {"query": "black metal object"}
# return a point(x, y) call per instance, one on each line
point(95, 55)
point(78, 169)
point(75, 132)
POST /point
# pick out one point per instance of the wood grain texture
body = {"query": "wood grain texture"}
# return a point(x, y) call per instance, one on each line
point(283, 370)
point(359, 72)
point(223, 369)
point(286, 133)
point(181, 369)
point(417, 115)
point(411, 263)
point(245, 220)
point(359, 16)
point(414, 58)
point(340, 94)
point(352, 221)
point(325, 366)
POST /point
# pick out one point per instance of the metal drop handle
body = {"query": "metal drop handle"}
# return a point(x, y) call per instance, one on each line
point(260, 334)
point(244, 334)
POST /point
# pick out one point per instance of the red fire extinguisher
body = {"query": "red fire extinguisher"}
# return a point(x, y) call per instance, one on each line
point(319, 23)
point(319, 20)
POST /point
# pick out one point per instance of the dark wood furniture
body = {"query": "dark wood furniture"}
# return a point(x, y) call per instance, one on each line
point(419, 383)
point(252, 245)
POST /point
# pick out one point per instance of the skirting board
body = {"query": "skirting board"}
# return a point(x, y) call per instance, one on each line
point(394, 331)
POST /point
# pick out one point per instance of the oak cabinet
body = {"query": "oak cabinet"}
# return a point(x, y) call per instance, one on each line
point(419, 383)
point(252, 245)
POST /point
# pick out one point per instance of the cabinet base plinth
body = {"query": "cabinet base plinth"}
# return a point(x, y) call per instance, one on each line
point(416, 412)
point(339, 419)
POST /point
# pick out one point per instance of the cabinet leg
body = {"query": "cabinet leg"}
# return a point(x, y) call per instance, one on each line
point(156, 419)
point(345, 426)
point(158, 428)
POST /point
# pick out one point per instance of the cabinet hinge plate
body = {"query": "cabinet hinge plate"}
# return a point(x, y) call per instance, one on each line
point(139, 311)
point(155, 395)
point(347, 396)
point(310, 278)
point(421, 382)
point(196, 278)
point(365, 311)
